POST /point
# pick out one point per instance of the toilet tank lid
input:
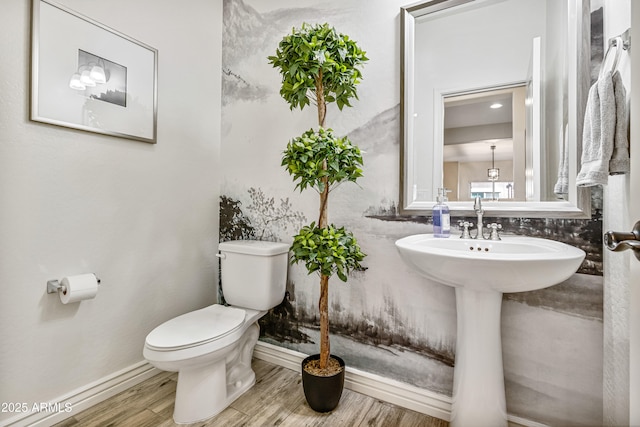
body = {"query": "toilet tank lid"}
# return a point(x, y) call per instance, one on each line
point(254, 247)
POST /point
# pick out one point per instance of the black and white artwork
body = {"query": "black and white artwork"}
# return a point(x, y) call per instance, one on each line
point(114, 87)
point(87, 76)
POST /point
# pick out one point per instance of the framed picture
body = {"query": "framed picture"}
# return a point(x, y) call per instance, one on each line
point(87, 76)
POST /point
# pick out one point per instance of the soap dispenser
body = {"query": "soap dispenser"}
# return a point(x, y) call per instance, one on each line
point(441, 217)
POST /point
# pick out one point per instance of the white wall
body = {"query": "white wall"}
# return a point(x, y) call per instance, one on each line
point(143, 217)
point(634, 215)
point(616, 266)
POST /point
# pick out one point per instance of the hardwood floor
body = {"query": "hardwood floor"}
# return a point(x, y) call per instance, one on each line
point(276, 399)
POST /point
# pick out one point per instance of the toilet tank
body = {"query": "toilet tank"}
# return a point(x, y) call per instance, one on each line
point(253, 273)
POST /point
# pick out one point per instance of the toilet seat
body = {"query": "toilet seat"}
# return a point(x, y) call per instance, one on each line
point(196, 328)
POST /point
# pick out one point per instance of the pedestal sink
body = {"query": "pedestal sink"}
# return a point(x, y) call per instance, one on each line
point(481, 271)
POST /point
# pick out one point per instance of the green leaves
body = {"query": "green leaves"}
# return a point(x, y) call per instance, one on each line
point(327, 250)
point(315, 157)
point(317, 56)
point(318, 65)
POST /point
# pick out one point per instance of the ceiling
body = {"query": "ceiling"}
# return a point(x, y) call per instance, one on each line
point(474, 112)
point(473, 115)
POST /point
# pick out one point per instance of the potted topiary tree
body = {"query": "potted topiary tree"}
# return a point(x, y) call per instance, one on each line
point(319, 66)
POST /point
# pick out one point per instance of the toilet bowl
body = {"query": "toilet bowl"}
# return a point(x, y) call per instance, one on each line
point(211, 348)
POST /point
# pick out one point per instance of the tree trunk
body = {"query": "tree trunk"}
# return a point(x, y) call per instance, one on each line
point(323, 307)
point(323, 220)
point(322, 114)
point(322, 105)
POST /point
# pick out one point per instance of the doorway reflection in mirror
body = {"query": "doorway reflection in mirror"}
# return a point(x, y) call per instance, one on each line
point(484, 145)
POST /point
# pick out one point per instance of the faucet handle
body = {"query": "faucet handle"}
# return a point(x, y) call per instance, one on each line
point(494, 231)
point(465, 229)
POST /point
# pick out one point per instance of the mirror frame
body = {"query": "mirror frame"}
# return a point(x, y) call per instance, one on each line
point(578, 203)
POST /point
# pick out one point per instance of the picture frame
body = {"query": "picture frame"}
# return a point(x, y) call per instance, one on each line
point(87, 76)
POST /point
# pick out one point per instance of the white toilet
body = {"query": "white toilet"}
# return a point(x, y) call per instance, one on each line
point(211, 348)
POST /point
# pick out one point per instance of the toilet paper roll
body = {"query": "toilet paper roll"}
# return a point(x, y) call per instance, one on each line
point(78, 288)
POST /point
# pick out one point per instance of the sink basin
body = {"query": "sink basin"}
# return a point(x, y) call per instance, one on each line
point(513, 264)
point(481, 271)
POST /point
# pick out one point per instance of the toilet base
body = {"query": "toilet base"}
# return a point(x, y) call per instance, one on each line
point(200, 398)
point(205, 391)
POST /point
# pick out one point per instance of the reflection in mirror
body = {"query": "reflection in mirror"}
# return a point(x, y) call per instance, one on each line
point(484, 145)
point(459, 58)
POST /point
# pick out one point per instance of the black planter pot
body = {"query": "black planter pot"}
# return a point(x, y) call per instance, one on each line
point(322, 393)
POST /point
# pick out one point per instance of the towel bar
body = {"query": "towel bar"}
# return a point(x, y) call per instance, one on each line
point(620, 43)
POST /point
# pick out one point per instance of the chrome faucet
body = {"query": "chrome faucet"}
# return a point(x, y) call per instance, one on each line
point(477, 207)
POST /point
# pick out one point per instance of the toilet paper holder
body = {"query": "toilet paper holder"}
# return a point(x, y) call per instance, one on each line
point(54, 286)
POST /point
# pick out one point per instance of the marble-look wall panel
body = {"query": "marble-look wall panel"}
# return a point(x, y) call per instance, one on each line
point(386, 319)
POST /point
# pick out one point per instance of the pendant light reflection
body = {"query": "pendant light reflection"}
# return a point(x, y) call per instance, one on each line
point(88, 75)
point(493, 174)
point(86, 78)
point(75, 82)
point(97, 74)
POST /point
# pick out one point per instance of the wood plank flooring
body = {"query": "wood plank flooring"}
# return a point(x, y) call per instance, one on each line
point(277, 399)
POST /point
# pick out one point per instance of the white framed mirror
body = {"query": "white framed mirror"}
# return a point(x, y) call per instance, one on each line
point(493, 94)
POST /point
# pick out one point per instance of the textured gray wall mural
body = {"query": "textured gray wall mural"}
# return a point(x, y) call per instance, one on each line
point(387, 320)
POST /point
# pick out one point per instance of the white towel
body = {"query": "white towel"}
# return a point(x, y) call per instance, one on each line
point(598, 133)
point(619, 163)
point(562, 184)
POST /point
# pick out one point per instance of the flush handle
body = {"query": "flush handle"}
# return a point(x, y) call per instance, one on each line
point(620, 241)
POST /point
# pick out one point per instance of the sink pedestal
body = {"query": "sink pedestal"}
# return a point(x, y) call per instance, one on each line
point(478, 378)
point(480, 271)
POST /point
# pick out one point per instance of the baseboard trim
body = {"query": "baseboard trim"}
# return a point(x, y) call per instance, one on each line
point(391, 391)
point(388, 390)
point(84, 397)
